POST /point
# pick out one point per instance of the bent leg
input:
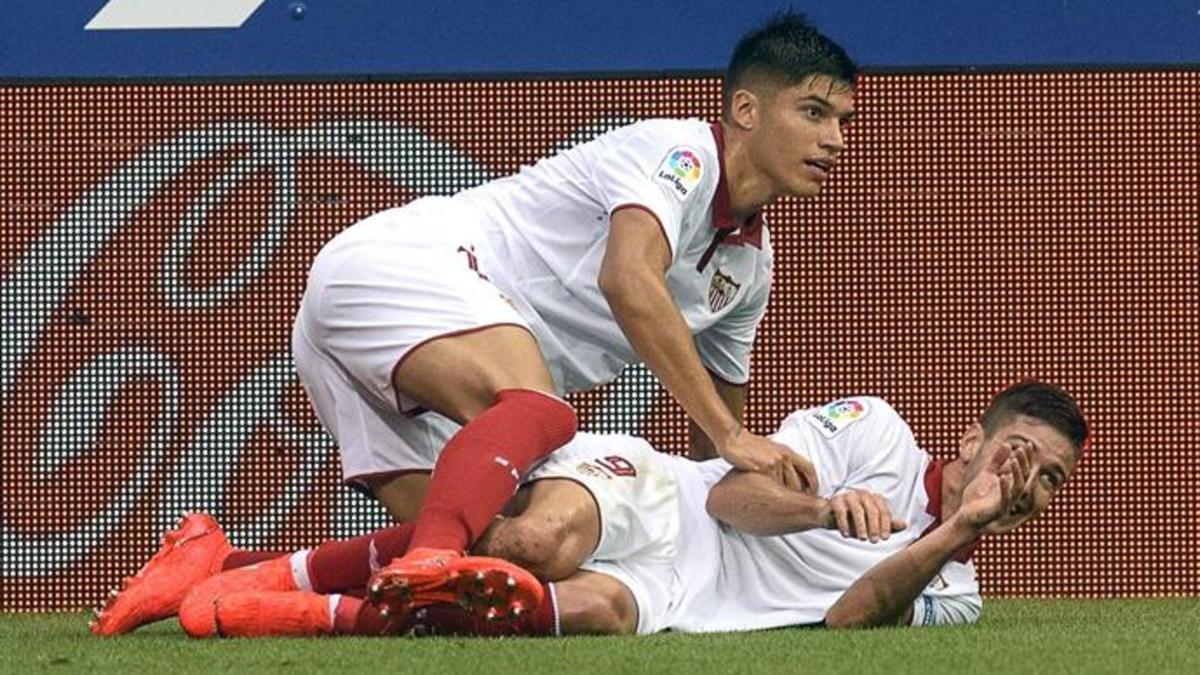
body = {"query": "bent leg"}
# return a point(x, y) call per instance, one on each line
point(494, 381)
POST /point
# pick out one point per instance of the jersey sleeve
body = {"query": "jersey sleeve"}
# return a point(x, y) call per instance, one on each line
point(725, 346)
point(854, 443)
point(951, 598)
point(657, 166)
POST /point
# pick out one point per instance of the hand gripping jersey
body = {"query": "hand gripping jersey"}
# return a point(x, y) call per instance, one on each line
point(767, 582)
point(547, 227)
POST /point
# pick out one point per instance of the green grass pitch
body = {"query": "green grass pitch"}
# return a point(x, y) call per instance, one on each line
point(1018, 636)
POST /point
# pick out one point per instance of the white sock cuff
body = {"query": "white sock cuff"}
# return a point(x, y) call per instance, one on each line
point(553, 600)
point(333, 605)
point(299, 563)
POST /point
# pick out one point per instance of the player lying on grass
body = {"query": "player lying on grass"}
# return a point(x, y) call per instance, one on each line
point(620, 537)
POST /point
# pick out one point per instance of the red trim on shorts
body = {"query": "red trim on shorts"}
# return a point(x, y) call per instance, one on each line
point(643, 207)
point(360, 484)
point(721, 379)
point(417, 410)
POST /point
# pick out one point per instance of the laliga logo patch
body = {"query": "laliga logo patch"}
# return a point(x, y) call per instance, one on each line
point(836, 416)
point(681, 169)
point(721, 290)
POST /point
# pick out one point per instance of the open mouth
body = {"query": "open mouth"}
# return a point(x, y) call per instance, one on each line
point(820, 164)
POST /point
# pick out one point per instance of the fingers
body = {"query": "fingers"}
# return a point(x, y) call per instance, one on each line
point(841, 512)
point(807, 471)
point(874, 521)
point(997, 464)
point(792, 479)
point(858, 518)
point(865, 516)
point(1024, 457)
point(885, 517)
point(1019, 462)
point(1006, 486)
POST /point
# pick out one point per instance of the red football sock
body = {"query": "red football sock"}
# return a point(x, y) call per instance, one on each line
point(353, 616)
point(481, 466)
point(341, 566)
point(239, 558)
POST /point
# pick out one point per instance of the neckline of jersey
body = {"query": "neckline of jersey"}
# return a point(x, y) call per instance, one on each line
point(749, 232)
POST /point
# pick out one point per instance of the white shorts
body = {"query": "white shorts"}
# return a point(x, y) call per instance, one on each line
point(638, 502)
point(376, 291)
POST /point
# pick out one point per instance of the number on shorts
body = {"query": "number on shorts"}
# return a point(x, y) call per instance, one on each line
point(472, 261)
point(618, 466)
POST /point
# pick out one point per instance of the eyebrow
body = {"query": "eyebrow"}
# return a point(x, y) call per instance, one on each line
point(829, 105)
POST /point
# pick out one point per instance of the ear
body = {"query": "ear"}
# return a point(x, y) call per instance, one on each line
point(970, 442)
point(744, 109)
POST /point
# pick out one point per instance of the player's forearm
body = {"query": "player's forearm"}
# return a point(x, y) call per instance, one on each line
point(643, 307)
point(755, 504)
point(884, 595)
point(734, 396)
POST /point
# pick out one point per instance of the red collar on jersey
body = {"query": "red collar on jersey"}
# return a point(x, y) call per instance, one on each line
point(747, 233)
point(933, 489)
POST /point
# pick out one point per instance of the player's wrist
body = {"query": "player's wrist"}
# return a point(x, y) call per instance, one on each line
point(824, 514)
point(728, 436)
point(962, 529)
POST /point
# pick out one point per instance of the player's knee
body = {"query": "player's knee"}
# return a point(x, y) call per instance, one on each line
point(610, 610)
point(554, 417)
point(535, 543)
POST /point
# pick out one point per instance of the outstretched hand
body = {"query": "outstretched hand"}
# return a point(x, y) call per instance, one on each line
point(750, 452)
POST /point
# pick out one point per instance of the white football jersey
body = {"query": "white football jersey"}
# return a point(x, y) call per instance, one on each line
point(547, 228)
point(769, 582)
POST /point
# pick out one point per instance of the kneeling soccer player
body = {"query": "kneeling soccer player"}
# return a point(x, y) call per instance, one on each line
point(888, 540)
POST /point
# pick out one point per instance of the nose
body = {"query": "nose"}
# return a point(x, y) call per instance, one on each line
point(834, 141)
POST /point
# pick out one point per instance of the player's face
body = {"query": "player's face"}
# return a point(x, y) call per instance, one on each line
point(1051, 463)
point(801, 134)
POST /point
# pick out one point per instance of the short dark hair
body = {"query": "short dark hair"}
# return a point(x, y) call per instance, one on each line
point(1042, 401)
point(788, 49)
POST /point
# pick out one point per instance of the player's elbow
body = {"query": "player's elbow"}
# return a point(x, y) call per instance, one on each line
point(862, 610)
point(849, 618)
point(617, 282)
point(840, 617)
point(730, 504)
point(717, 504)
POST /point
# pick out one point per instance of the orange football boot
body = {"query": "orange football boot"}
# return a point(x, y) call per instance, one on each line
point(490, 588)
point(189, 554)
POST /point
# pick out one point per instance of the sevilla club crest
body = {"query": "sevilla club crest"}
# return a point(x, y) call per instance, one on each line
point(721, 290)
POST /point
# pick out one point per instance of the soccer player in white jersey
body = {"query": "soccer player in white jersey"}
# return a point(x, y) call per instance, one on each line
point(646, 244)
point(887, 541)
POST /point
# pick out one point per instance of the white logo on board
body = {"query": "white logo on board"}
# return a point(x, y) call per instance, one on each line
point(143, 14)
